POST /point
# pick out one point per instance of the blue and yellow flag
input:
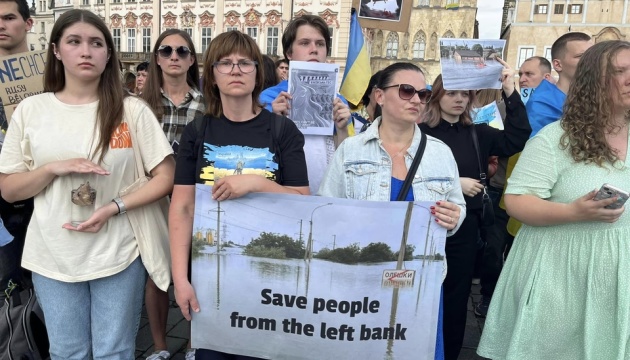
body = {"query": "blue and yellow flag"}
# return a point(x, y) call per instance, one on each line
point(356, 76)
point(452, 6)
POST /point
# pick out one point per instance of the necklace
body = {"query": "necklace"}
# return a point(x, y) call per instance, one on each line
point(402, 149)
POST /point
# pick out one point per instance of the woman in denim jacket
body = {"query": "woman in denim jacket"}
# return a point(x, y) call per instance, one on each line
point(373, 165)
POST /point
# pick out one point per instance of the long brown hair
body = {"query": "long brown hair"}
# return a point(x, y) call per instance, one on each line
point(151, 92)
point(226, 44)
point(433, 112)
point(588, 109)
point(109, 113)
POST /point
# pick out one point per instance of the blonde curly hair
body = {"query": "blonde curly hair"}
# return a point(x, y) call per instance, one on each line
point(588, 110)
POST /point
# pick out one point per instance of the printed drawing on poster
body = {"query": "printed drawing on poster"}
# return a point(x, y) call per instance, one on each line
point(470, 64)
point(313, 87)
point(283, 276)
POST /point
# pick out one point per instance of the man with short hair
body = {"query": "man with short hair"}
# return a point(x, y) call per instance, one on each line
point(307, 38)
point(15, 23)
point(533, 71)
point(282, 69)
point(545, 104)
point(141, 76)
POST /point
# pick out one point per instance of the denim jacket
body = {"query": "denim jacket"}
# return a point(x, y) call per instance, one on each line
point(361, 169)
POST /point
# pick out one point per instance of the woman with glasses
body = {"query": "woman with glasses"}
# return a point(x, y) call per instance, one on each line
point(448, 118)
point(171, 91)
point(218, 150)
point(386, 149)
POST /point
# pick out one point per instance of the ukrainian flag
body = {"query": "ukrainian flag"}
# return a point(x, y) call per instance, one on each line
point(452, 6)
point(356, 76)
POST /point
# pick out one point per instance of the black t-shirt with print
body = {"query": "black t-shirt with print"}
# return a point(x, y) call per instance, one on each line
point(232, 148)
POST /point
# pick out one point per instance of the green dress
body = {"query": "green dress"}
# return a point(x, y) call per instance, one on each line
point(564, 292)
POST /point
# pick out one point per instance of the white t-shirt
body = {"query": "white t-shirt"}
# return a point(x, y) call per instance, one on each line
point(44, 130)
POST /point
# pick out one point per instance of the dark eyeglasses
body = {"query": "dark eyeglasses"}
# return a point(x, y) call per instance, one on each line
point(406, 92)
point(166, 51)
point(227, 66)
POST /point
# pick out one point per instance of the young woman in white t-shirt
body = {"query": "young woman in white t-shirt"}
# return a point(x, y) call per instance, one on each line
point(85, 261)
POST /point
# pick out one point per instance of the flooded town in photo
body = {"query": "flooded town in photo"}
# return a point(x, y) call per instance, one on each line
point(470, 64)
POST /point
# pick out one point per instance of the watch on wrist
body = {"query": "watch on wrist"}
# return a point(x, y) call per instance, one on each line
point(121, 205)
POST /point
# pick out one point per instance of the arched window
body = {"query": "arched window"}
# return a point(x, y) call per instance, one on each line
point(419, 44)
point(463, 35)
point(377, 45)
point(448, 35)
point(391, 51)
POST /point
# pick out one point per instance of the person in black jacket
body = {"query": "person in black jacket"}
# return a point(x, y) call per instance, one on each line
point(447, 117)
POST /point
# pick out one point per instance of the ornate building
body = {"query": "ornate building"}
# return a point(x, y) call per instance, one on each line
point(430, 20)
point(538, 23)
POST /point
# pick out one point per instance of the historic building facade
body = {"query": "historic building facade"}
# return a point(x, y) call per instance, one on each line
point(430, 21)
point(538, 23)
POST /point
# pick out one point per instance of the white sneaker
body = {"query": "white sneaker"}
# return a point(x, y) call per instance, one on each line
point(159, 355)
point(190, 354)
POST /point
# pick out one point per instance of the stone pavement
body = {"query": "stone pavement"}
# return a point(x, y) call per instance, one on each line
point(178, 331)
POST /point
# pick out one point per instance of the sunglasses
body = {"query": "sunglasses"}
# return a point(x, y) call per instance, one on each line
point(406, 92)
point(166, 51)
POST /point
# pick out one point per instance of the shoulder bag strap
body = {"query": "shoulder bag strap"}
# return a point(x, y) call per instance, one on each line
point(482, 174)
point(402, 195)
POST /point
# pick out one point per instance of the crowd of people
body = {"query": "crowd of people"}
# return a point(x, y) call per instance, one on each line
point(560, 294)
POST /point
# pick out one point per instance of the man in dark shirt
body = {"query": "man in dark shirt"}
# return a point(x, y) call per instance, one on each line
point(15, 23)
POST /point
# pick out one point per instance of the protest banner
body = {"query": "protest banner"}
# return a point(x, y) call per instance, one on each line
point(21, 76)
point(526, 93)
point(489, 115)
point(283, 276)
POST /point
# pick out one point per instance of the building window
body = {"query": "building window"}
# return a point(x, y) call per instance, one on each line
point(189, 31)
point(85, 2)
point(524, 53)
point(116, 1)
point(558, 9)
point(419, 44)
point(391, 49)
point(131, 0)
point(253, 33)
point(423, 2)
point(548, 53)
point(540, 9)
point(42, 6)
point(116, 36)
point(206, 37)
point(131, 40)
point(449, 2)
point(575, 9)
point(146, 40)
point(43, 27)
point(331, 31)
point(43, 46)
point(272, 41)
point(231, 28)
point(100, 2)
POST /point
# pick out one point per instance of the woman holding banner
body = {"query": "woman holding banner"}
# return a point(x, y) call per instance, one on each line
point(235, 123)
point(447, 117)
point(401, 93)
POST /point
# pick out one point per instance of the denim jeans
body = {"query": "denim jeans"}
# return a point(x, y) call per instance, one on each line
point(93, 319)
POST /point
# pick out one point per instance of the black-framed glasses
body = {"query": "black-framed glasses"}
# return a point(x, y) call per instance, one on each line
point(406, 92)
point(166, 51)
point(226, 67)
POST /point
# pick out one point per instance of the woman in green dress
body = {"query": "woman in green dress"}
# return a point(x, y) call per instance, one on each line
point(564, 292)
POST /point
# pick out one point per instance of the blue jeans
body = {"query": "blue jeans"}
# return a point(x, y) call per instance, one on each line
point(93, 319)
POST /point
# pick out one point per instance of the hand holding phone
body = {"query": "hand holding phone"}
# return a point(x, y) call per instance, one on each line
point(607, 191)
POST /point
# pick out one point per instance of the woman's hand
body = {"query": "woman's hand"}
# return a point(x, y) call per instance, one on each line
point(186, 298)
point(76, 166)
point(235, 186)
point(507, 78)
point(96, 221)
point(470, 186)
point(446, 214)
point(586, 208)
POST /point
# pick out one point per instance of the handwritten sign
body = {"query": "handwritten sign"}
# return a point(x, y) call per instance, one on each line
point(21, 76)
point(488, 114)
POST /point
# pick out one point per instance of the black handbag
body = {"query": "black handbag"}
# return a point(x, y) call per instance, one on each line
point(487, 213)
point(402, 195)
point(22, 328)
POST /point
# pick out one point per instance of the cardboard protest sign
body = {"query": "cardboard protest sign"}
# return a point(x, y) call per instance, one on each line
point(489, 115)
point(21, 76)
point(470, 64)
point(283, 276)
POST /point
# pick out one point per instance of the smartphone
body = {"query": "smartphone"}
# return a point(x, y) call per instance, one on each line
point(607, 191)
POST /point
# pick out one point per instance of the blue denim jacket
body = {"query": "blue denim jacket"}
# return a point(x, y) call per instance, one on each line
point(361, 169)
